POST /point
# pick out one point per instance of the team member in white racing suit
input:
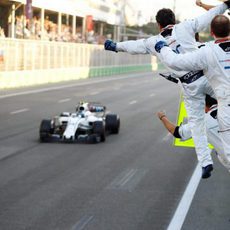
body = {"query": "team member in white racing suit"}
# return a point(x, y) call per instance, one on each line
point(181, 38)
point(184, 131)
point(214, 59)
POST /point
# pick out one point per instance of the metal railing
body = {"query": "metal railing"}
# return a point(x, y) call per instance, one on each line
point(22, 55)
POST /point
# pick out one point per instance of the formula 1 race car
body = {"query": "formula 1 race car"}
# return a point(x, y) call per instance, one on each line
point(89, 123)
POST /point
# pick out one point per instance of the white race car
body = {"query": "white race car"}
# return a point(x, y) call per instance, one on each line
point(89, 123)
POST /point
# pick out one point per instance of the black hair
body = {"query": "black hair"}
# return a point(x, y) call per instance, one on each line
point(165, 17)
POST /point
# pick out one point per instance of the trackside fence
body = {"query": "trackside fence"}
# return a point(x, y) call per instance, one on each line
point(29, 62)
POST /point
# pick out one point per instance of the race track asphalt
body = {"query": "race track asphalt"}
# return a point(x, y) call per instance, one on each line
point(133, 181)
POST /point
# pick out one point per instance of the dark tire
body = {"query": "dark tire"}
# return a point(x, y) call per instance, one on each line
point(45, 131)
point(94, 139)
point(112, 123)
point(99, 130)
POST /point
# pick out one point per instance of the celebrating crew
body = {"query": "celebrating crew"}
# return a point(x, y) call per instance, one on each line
point(214, 60)
point(181, 38)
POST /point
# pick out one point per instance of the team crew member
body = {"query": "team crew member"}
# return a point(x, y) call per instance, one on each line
point(184, 131)
point(214, 59)
point(181, 38)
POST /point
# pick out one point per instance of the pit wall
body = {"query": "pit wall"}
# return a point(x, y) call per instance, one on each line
point(32, 62)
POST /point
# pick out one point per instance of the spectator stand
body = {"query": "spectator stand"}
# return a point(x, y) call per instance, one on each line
point(31, 55)
point(56, 20)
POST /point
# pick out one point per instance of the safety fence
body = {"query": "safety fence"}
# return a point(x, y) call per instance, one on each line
point(28, 62)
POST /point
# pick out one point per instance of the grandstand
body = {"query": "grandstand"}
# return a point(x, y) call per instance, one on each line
point(30, 30)
point(69, 20)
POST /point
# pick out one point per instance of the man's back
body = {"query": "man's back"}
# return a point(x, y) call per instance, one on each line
point(218, 66)
point(181, 38)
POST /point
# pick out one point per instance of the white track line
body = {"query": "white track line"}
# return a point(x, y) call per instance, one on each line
point(64, 100)
point(186, 200)
point(94, 93)
point(81, 224)
point(19, 111)
point(71, 85)
point(132, 102)
point(167, 137)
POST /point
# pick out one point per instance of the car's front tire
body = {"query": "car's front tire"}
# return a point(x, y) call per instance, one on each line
point(45, 131)
point(99, 129)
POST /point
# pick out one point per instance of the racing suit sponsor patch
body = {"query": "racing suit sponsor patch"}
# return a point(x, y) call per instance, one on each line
point(225, 46)
point(191, 76)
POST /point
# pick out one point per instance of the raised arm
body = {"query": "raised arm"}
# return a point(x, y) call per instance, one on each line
point(190, 61)
point(166, 122)
point(183, 131)
point(203, 5)
point(133, 47)
point(140, 46)
point(202, 22)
